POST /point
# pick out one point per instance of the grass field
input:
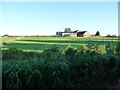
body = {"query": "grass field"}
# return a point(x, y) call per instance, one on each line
point(40, 43)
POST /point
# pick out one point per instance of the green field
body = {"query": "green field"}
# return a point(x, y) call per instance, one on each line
point(40, 43)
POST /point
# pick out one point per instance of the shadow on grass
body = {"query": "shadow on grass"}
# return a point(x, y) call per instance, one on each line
point(36, 47)
point(72, 41)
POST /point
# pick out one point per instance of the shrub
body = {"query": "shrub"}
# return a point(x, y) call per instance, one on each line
point(101, 49)
point(84, 48)
point(70, 53)
point(17, 54)
point(111, 48)
point(4, 43)
point(52, 53)
point(118, 47)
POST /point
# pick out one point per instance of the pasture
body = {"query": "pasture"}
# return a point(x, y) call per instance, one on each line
point(41, 43)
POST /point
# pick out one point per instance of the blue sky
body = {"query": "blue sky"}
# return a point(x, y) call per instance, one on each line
point(45, 18)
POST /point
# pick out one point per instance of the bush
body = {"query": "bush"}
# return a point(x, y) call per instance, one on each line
point(111, 48)
point(70, 53)
point(4, 43)
point(17, 54)
point(52, 53)
point(101, 49)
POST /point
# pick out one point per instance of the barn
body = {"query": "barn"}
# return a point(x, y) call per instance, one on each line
point(83, 34)
point(75, 33)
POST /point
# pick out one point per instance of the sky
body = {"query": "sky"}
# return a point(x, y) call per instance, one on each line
point(46, 18)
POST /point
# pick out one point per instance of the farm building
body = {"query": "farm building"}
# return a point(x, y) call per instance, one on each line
point(6, 35)
point(83, 34)
point(75, 33)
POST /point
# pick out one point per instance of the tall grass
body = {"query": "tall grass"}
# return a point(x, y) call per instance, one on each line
point(90, 66)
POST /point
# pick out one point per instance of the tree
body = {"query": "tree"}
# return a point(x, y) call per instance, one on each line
point(67, 29)
point(108, 35)
point(97, 33)
point(113, 35)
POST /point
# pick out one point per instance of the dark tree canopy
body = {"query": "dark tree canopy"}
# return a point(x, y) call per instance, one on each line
point(67, 29)
point(108, 35)
point(97, 33)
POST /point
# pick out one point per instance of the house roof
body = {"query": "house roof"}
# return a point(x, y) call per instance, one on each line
point(68, 32)
point(71, 31)
point(82, 32)
point(6, 35)
point(76, 31)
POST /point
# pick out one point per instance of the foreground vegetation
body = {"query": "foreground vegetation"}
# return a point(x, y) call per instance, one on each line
point(87, 66)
